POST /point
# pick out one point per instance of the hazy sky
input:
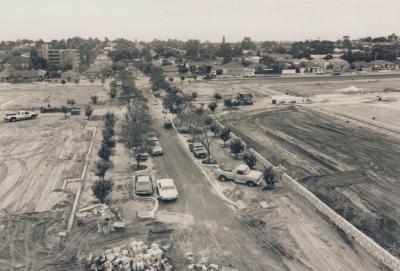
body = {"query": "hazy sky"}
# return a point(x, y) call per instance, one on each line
point(200, 19)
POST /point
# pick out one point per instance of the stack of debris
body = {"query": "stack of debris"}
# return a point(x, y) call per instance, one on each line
point(193, 265)
point(136, 257)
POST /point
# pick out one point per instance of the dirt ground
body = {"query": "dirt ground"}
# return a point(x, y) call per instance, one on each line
point(352, 169)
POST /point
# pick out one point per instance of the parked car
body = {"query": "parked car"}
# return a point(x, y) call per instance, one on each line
point(167, 124)
point(143, 185)
point(21, 115)
point(240, 174)
point(157, 149)
point(167, 189)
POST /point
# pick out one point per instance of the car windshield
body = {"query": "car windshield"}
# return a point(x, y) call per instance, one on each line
point(168, 187)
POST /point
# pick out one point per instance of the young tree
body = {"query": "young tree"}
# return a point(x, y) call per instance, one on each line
point(94, 99)
point(113, 89)
point(225, 135)
point(250, 159)
point(88, 111)
point(101, 189)
point(237, 147)
point(212, 106)
point(105, 152)
point(64, 109)
point(206, 141)
point(194, 95)
point(215, 129)
point(101, 168)
point(269, 177)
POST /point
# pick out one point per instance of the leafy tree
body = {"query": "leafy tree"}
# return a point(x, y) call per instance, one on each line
point(101, 189)
point(108, 132)
point(94, 99)
point(109, 141)
point(101, 168)
point(269, 177)
point(225, 135)
point(194, 95)
point(247, 44)
point(212, 106)
point(109, 119)
point(104, 152)
point(88, 111)
point(192, 48)
point(237, 147)
point(250, 159)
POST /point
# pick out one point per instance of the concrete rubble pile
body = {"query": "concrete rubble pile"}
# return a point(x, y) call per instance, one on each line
point(194, 265)
point(135, 257)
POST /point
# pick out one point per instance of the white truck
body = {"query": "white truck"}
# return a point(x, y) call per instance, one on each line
point(21, 115)
point(239, 174)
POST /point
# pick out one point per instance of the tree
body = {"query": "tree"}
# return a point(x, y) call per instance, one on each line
point(104, 152)
point(140, 151)
point(206, 141)
point(217, 96)
point(225, 135)
point(269, 177)
point(237, 147)
point(250, 159)
point(113, 89)
point(101, 168)
point(192, 48)
point(101, 189)
point(212, 106)
point(228, 103)
point(71, 102)
point(64, 109)
point(109, 141)
point(109, 119)
point(94, 99)
point(194, 95)
point(215, 129)
point(88, 111)
point(63, 82)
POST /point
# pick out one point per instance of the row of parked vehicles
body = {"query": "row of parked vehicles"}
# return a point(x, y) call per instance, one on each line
point(166, 188)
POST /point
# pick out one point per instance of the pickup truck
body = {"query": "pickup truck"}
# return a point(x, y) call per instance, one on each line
point(21, 115)
point(239, 174)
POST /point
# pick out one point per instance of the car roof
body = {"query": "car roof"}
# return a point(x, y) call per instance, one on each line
point(197, 144)
point(242, 167)
point(166, 182)
point(143, 178)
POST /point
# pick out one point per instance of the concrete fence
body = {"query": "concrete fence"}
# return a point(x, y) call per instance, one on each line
point(351, 231)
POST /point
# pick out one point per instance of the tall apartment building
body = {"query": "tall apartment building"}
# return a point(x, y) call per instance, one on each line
point(60, 58)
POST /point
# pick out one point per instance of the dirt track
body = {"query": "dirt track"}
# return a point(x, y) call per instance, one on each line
point(352, 169)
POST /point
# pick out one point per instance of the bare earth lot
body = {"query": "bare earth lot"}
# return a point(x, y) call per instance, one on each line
point(350, 167)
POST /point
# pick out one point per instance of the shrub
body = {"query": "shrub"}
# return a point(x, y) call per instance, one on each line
point(269, 177)
point(225, 135)
point(212, 106)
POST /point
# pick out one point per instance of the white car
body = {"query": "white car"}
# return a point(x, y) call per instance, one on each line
point(157, 149)
point(167, 189)
point(143, 185)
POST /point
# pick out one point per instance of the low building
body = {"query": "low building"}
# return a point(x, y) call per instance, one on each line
point(25, 76)
point(338, 65)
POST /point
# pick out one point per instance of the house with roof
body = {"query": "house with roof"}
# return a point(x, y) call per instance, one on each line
point(337, 65)
point(382, 65)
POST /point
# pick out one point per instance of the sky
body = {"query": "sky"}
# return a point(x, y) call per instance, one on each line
point(283, 20)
